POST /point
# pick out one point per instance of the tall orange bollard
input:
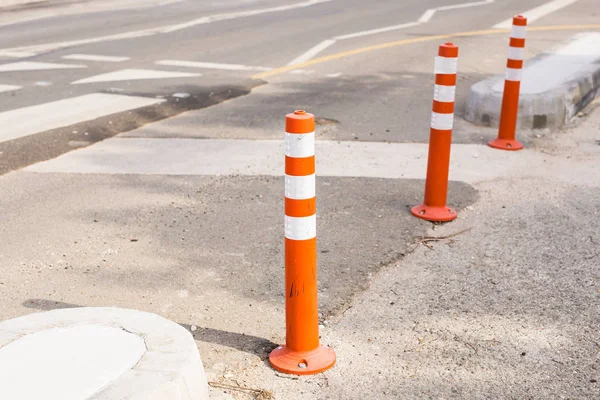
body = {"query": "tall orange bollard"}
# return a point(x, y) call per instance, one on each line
point(512, 86)
point(302, 353)
point(440, 138)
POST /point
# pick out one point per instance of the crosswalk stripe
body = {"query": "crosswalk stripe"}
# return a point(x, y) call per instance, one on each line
point(208, 65)
point(36, 66)
point(134, 74)
point(8, 88)
point(16, 54)
point(94, 57)
point(44, 117)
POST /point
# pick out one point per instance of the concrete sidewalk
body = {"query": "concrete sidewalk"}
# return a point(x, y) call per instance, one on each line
point(506, 306)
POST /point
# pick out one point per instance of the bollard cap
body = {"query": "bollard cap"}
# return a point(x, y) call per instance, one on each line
point(448, 50)
point(520, 20)
point(300, 122)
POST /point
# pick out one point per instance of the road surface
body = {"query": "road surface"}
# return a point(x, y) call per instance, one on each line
point(180, 213)
point(185, 55)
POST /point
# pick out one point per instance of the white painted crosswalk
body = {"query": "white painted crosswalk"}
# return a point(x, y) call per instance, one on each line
point(211, 65)
point(16, 54)
point(95, 57)
point(36, 66)
point(134, 74)
point(120, 75)
point(34, 119)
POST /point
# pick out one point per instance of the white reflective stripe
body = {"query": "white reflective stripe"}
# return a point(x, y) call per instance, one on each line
point(442, 122)
point(444, 93)
point(300, 187)
point(299, 145)
point(518, 32)
point(515, 53)
point(301, 228)
point(445, 65)
point(513, 74)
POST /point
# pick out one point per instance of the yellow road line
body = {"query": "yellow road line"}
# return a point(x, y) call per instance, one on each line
point(361, 50)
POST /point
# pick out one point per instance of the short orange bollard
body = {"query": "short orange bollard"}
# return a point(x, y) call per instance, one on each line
point(302, 353)
point(512, 86)
point(440, 138)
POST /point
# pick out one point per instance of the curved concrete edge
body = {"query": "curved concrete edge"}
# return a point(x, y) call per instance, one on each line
point(551, 109)
point(171, 368)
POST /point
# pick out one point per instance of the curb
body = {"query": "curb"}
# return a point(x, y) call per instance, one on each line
point(167, 368)
point(550, 109)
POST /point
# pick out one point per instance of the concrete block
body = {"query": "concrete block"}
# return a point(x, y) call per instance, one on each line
point(554, 88)
point(100, 354)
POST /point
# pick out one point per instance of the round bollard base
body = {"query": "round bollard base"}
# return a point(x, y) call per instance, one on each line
point(504, 144)
point(434, 214)
point(288, 361)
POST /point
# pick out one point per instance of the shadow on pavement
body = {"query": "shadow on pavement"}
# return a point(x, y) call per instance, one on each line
point(246, 343)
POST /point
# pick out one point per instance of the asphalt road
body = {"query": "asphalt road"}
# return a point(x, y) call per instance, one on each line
point(150, 52)
point(182, 218)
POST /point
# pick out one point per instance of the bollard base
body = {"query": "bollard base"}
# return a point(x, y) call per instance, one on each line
point(294, 362)
point(434, 214)
point(504, 144)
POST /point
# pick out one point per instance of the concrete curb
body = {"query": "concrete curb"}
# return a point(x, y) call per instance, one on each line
point(550, 109)
point(169, 368)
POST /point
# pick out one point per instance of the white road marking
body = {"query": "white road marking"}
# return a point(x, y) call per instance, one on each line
point(312, 52)
point(558, 66)
point(240, 14)
point(426, 17)
point(35, 66)
point(8, 88)
point(72, 8)
point(538, 12)
point(336, 75)
point(375, 31)
point(302, 71)
point(160, 29)
point(44, 117)
point(464, 5)
point(93, 57)
point(134, 74)
point(207, 65)
point(16, 54)
point(210, 157)
point(61, 45)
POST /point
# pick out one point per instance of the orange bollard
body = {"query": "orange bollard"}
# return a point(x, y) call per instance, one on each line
point(302, 353)
point(512, 86)
point(440, 138)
